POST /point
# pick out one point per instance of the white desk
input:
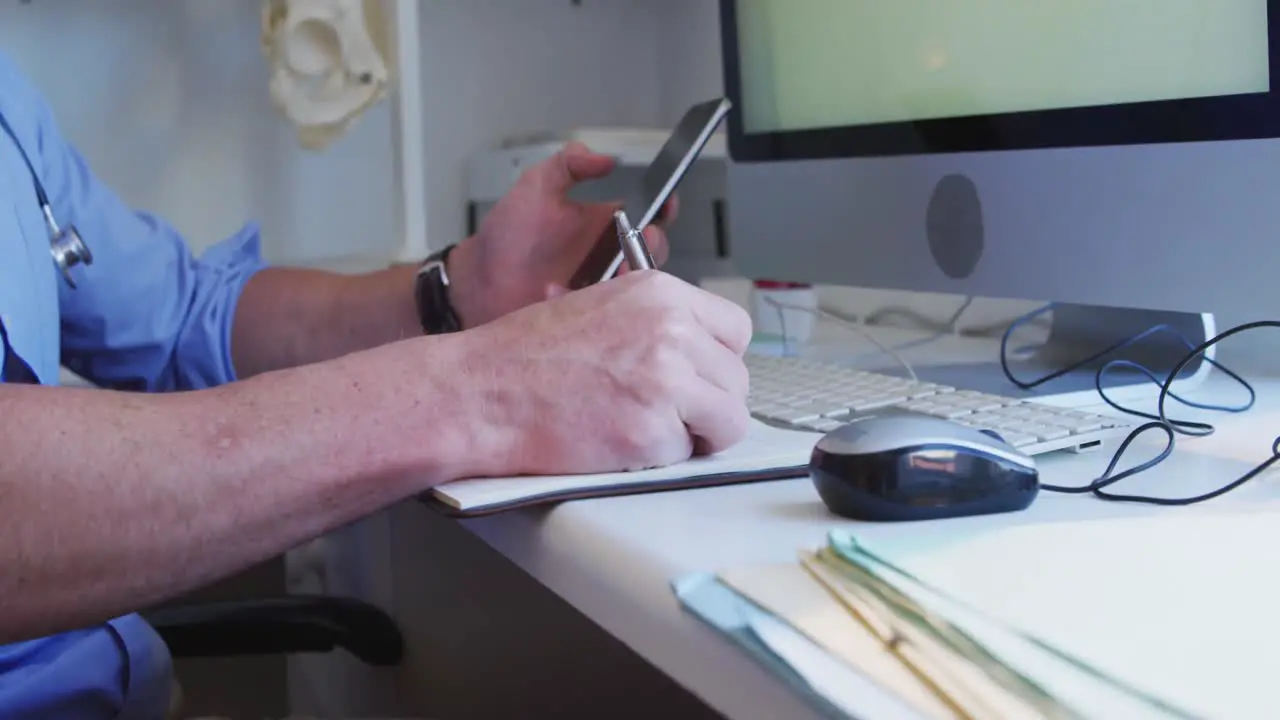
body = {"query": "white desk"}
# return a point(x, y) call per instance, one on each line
point(568, 612)
point(613, 559)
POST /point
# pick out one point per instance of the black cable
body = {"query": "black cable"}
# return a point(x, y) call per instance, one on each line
point(1160, 420)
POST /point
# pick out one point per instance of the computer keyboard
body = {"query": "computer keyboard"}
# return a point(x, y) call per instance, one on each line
point(813, 395)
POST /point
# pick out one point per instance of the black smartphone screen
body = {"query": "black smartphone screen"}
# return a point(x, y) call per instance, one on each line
point(672, 161)
point(659, 181)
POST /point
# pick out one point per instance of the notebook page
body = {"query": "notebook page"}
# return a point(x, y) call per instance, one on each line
point(764, 448)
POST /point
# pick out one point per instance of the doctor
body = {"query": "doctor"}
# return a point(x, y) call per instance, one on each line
point(314, 399)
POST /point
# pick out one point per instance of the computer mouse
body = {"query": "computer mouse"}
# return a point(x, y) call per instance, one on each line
point(893, 468)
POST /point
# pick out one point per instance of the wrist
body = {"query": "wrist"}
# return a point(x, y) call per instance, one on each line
point(444, 403)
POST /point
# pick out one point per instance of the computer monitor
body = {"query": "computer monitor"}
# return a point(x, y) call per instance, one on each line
point(1092, 152)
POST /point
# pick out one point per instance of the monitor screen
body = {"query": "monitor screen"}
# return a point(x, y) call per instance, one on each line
point(808, 64)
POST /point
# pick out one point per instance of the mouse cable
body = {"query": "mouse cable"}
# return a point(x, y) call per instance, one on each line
point(1159, 421)
point(921, 320)
point(1192, 428)
point(824, 314)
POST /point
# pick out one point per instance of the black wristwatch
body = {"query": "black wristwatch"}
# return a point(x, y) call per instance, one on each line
point(435, 309)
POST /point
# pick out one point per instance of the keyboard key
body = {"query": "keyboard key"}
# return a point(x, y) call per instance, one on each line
point(982, 404)
point(920, 406)
point(988, 419)
point(875, 403)
point(948, 413)
point(1019, 440)
point(1078, 427)
point(1045, 432)
point(823, 425)
point(795, 416)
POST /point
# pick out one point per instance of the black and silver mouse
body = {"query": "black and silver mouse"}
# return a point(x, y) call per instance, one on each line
point(919, 468)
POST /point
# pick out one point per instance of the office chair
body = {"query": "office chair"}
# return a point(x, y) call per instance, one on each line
point(286, 624)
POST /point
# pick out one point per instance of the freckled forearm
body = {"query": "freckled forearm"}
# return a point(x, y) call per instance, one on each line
point(288, 317)
point(170, 492)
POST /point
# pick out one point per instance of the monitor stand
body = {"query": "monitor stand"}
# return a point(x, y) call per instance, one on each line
point(1077, 331)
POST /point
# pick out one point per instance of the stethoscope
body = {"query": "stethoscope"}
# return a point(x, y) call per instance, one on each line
point(65, 245)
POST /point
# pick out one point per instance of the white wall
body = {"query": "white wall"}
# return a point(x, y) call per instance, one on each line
point(496, 67)
point(168, 100)
point(688, 38)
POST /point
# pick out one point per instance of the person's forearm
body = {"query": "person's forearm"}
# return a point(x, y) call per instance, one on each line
point(111, 502)
point(287, 317)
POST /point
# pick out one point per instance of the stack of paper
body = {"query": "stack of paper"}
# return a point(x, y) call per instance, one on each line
point(939, 651)
point(1182, 605)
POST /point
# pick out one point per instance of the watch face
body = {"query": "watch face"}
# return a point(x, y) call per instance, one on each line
point(438, 266)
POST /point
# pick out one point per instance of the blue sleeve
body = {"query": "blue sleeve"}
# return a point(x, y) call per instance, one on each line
point(147, 314)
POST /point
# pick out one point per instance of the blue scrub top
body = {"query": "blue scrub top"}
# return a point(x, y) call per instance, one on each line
point(147, 316)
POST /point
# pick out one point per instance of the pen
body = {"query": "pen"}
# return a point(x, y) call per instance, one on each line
point(633, 245)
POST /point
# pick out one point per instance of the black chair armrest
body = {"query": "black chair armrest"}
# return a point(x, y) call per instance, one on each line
point(280, 625)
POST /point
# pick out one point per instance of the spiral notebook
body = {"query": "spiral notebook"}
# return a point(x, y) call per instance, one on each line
point(767, 453)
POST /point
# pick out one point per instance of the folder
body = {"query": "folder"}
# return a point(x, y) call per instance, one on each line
point(1180, 604)
point(931, 651)
point(793, 595)
point(767, 453)
point(829, 688)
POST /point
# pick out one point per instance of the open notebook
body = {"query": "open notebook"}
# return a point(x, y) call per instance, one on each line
point(767, 453)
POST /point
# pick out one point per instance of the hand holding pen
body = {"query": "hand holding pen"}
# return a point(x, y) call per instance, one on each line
point(634, 248)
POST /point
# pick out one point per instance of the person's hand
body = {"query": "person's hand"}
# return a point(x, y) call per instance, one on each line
point(533, 240)
point(644, 370)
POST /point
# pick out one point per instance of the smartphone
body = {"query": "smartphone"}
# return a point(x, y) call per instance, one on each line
point(659, 181)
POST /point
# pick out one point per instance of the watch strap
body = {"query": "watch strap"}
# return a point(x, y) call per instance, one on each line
point(435, 309)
